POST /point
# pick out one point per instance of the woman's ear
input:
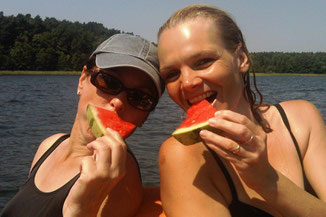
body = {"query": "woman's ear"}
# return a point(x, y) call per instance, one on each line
point(244, 63)
point(82, 80)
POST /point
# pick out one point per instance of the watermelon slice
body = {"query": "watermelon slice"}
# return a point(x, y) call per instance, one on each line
point(99, 119)
point(197, 119)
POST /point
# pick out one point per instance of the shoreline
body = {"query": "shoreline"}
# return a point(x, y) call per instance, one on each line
point(7, 72)
point(287, 74)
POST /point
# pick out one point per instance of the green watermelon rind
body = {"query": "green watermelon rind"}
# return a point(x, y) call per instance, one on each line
point(190, 135)
point(94, 122)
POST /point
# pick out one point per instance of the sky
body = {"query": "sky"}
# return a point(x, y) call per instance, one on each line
point(267, 25)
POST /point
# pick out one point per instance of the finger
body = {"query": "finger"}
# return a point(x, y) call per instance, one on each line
point(117, 151)
point(110, 155)
point(101, 151)
point(236, 131)
point(119, 156)
point(87, 167)
point(92, 147)
point(114, 134)
point(233, 116)
point(223, 153)
point(119, 147)
point(225, 146)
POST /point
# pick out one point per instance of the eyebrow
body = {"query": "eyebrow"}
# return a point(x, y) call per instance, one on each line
point(201, 53)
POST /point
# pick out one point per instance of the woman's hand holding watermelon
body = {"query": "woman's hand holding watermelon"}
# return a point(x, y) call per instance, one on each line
point(243, 143)
point(99, 175)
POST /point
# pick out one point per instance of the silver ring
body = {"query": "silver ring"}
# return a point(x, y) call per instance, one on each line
point(236, 149)
point(251, 138)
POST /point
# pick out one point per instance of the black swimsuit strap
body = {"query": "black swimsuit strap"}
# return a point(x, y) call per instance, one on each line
point(226, 174)
point(236, 207)
point(287, 124)
point(56, 144)
point(48, 152)
point(307, 185)
point(134, 157)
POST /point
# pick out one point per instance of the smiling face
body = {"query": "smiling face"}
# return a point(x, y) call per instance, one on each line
point(195, 65)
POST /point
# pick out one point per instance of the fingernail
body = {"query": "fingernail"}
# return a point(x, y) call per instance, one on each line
point(217, 113)
point(203, 133)
point(212, 121)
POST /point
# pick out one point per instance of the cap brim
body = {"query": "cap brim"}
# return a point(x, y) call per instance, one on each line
point(112, 60)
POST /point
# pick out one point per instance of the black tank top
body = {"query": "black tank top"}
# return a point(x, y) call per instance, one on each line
point(240, 209)
point(31, 202)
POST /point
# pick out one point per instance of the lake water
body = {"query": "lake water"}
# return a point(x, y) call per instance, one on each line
point(35, 107)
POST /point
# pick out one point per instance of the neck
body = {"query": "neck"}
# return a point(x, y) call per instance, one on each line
point(78, 141)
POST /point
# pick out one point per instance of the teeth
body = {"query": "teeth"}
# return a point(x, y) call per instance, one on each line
point(201, 97)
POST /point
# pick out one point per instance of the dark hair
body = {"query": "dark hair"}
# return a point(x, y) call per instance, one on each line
point(232, 38)
point(90, 64)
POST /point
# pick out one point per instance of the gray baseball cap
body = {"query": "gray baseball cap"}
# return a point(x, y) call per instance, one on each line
point(125, 50)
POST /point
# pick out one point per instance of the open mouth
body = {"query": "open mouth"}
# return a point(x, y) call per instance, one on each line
point(209, 96)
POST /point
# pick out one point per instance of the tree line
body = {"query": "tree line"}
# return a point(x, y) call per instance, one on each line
point(28, 43)
point(280, 62)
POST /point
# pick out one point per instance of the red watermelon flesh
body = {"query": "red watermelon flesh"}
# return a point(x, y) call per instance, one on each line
point(197, 119)
point(99, 119)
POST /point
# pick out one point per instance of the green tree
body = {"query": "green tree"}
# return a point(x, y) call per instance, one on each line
point(22, 54)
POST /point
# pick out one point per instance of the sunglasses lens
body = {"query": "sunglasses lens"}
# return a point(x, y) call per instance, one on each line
point(107, 83)
point(141, 100)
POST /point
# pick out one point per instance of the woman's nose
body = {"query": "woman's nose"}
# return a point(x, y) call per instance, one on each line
point(116, 104)
point(190, 80)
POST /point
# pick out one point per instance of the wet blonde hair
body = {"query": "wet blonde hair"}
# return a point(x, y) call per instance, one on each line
point(232, 38)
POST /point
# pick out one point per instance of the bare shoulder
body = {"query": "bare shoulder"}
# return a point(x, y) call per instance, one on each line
point(306, 123)
point(302, 112)
point(188, 185)
point(190, 159)
point(298, 105)
point(173, 151)
point(44, 146)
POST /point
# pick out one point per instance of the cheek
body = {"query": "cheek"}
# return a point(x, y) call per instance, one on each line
point(176, 95)
point(173, 90)
point(221, 75)
point(135, 117)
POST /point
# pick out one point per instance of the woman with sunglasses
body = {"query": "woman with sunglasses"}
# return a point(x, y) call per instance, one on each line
point(264, 158)
point(79, 175)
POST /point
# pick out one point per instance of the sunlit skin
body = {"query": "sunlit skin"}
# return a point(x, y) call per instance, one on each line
point(195, 64)
point(266, 172)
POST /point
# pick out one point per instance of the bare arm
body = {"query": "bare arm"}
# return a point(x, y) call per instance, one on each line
point(314, 158)
point(186, 185)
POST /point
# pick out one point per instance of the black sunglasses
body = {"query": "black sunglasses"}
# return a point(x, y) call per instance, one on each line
point(112, 85)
